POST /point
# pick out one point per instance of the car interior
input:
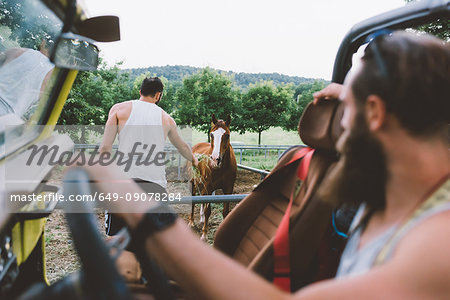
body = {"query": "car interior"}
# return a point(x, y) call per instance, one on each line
point(247, 234)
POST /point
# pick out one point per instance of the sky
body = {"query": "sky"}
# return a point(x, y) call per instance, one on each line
point(295, 37)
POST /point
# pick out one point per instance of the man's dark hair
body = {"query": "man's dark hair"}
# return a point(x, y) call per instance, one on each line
point(150, 86)
point(415, 84)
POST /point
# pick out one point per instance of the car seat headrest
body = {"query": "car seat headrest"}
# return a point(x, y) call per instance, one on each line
point(320, 124)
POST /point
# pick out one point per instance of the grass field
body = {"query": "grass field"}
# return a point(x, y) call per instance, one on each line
point(259, 160)
point(264, 160)
point(273, 136)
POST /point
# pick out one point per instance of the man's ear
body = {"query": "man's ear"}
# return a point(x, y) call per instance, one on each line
point(375, 112)
point(140, 93)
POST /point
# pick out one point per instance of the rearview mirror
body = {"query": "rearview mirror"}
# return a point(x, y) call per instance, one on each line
point(101, 28)
point(75, 52)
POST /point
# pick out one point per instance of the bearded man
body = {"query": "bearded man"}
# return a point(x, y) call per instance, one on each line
point(395, 164)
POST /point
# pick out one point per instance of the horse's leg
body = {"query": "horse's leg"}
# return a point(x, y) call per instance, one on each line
point(202, 213)
point(191, 217)
point(226, 209)
point(205, 225)
point(226, 205)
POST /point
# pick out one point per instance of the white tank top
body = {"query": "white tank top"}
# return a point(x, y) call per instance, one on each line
point(356, 261)
point(21, 82)
point(144, 132)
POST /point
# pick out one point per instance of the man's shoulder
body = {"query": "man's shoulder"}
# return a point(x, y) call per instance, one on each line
point(438, 222)
point(124, 104)
point(419, 260)
point(122, 110)
point(166, 118)
point(432, 229)
point(121, 107)
point(427, 244)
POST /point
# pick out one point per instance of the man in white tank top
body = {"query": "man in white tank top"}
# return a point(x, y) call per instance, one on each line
point(142, 125)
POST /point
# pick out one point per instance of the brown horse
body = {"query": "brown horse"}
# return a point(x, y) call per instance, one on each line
point(218, 172)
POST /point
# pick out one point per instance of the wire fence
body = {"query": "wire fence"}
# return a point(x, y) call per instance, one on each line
point(240, 151)
point(254, 158)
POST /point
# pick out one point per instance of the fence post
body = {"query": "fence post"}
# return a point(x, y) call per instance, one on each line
point(240, 156)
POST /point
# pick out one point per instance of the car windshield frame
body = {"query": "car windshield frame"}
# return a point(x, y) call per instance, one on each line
point(411, 16)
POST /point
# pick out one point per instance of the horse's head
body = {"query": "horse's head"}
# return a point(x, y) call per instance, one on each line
point(220, 138)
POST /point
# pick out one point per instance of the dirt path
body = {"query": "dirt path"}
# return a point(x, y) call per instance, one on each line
point(61, 257)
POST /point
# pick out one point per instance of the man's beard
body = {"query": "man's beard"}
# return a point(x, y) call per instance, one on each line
point(360, 175)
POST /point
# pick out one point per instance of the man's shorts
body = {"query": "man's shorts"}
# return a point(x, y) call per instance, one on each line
point(113, 224)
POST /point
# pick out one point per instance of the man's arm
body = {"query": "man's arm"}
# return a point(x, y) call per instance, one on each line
point(419, 269)
point(178, 142)
point(111, 128)
point(331, 91)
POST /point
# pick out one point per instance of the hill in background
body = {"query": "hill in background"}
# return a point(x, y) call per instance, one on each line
point(177, 73)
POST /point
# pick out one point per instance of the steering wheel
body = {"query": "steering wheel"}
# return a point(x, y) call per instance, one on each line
point(101, 280)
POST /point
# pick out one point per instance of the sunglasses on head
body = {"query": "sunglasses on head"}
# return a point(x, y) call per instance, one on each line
point(371, 41)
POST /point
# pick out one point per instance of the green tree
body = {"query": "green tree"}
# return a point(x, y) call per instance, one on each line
point(93, 94)
point(240, 80)
point(264, 105)
point(439, 28)
point(302, 96)
point(168, 101)
point(27, 31)
point(203, 94)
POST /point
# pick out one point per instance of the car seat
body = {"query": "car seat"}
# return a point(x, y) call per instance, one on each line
point(247, 234)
